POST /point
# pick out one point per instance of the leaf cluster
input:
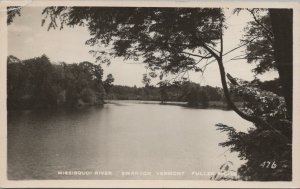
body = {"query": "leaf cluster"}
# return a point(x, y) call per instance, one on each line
point(165, 39)
point(260, 144)
point(261, 49)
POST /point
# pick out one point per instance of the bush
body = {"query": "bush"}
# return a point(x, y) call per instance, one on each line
point(268, 151)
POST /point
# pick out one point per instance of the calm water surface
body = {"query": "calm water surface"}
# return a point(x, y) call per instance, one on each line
point(119, 138)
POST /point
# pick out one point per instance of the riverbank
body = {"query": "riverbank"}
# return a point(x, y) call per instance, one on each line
point(211, 104)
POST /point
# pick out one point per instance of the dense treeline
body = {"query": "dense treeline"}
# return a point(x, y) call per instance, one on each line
point(119, 92)
point(189, 92)
point(37, 83)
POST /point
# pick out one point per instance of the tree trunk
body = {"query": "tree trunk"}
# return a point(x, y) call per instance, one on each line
point(282, 26)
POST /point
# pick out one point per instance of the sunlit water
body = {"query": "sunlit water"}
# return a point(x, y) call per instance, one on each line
point(123, 140)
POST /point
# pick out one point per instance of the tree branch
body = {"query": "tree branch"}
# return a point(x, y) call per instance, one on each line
point(254, 119)
point(259, 122)
point(224, 83)
point(203, 57)
point(255, 42)
point(213, 49)
point(246, 58)
point(269, 32)
point(221, 38)
point(240, 46)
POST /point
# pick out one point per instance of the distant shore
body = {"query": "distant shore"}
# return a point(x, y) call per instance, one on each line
point(211, 104)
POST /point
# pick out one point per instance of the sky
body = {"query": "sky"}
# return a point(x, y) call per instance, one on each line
point(28, 39)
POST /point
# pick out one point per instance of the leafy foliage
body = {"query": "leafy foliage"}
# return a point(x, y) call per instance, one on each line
point(260, 102)
point(164, 38)
point(108, 83)
point(169, 92)
point(226, 172)
point(259, 144)
point(273, 86)
point(260, 50)
point(194, 95)
point(12, 12)
point(36, 83)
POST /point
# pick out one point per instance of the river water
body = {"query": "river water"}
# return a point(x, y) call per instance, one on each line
point(122, 140)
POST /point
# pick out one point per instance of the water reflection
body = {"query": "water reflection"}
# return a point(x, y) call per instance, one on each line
point(117, 138)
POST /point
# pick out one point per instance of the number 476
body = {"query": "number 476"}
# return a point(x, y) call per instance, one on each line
point(268, 164)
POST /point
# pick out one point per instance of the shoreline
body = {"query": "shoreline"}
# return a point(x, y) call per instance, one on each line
point(211, 104)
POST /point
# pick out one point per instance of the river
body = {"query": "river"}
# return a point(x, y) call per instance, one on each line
point(121, 140)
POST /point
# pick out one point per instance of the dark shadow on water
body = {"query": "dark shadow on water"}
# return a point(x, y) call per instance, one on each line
point(51, 112)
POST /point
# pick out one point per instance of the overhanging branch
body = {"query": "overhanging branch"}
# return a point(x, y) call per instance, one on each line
point(268, 32)
point(240, 46)
point(259, 122)
point(203, 57)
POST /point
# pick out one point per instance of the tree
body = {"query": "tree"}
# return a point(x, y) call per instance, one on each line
point(172, 40)
point(166, 38)
point(163, 87)
point(282, 27)
point(270, 85)
point(260, 39)
point(37, 83)
point(163, 37)
point(39, 80)
point(269, 156)
point(260, 144)
point(146, 80)
point(262, 147)
point(12, 12)
point(169, 40)
point(108, 83)
point(270, 45)
point(204, 100)
point(15, 81)
point(193, 94)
